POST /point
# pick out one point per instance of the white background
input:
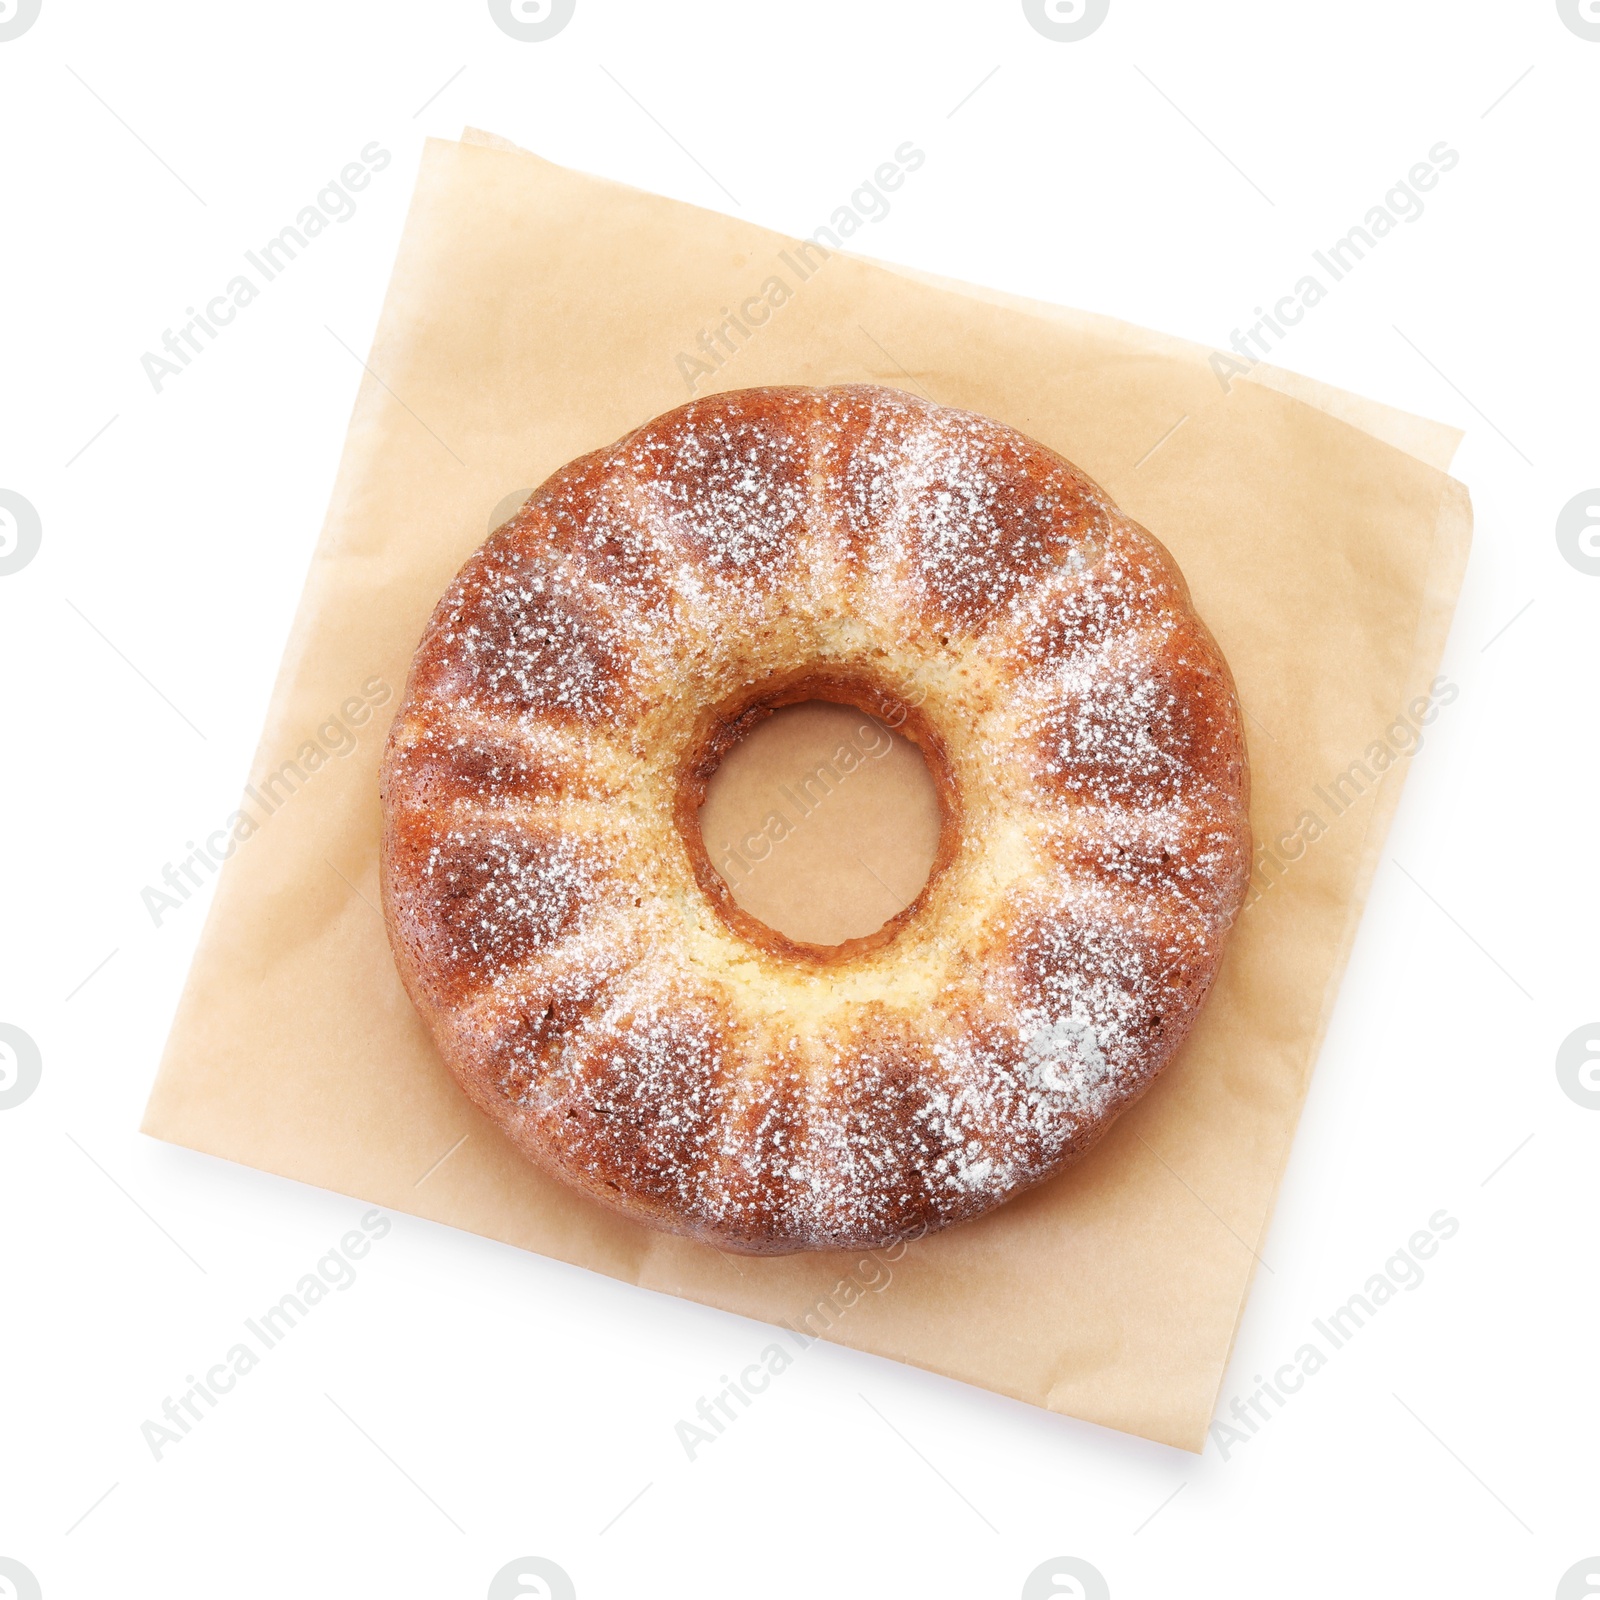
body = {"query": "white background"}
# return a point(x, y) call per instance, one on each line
point(488, 1404)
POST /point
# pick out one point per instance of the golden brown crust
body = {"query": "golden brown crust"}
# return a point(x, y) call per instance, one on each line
point(559, 925)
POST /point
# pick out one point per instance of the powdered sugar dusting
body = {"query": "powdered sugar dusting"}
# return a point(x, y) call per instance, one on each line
point(522, 644)
point(731, 491)
point(497, 895)
point(988, 513)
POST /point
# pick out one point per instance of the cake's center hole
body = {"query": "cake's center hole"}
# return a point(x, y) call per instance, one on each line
point(823, 822)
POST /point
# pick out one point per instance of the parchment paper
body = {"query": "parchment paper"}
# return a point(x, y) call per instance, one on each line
point(859, 822)
point(536, 313)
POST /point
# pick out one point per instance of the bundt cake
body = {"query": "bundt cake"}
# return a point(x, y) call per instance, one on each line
point(582, 965)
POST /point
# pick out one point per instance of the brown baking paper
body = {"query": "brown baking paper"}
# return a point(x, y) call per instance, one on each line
point(536, 313)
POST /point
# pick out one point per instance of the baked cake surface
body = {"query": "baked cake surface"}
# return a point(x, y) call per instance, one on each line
point(582, 966)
